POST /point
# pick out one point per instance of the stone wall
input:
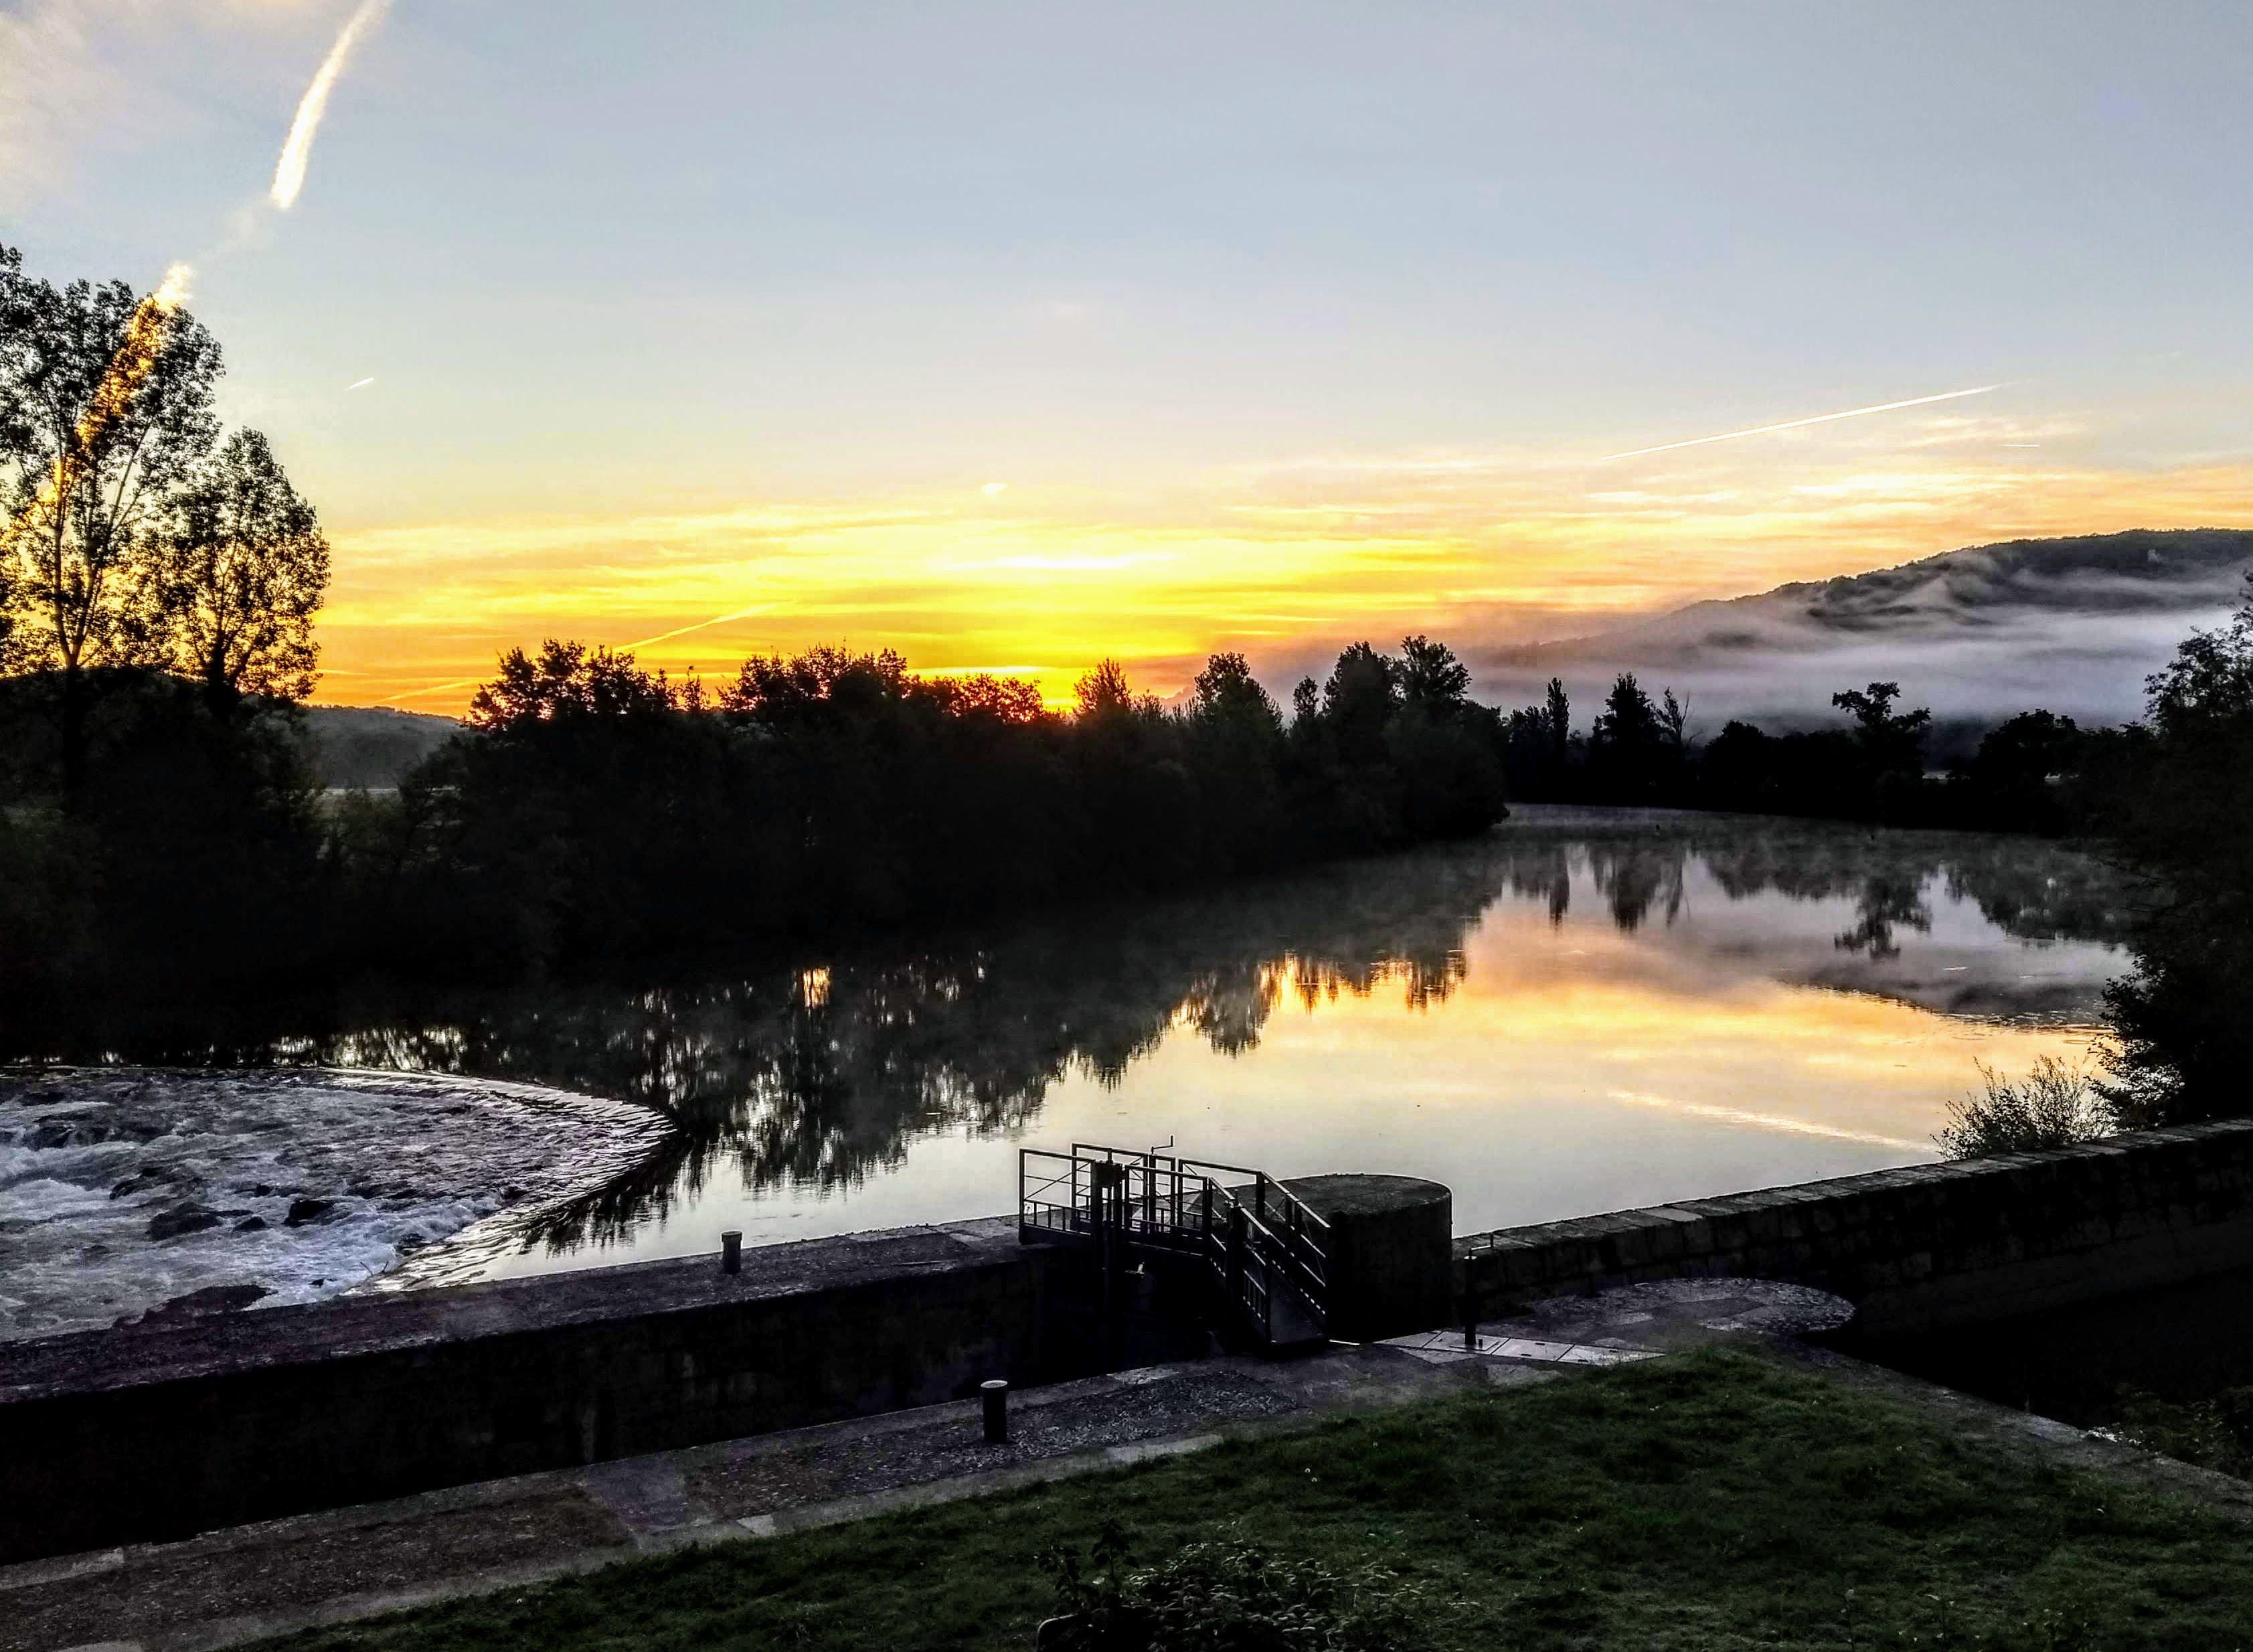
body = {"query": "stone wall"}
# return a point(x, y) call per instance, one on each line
point(159, 1430)
point(1921, 1248)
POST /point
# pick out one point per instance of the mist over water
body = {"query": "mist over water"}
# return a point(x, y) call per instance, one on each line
point(1588, 1010)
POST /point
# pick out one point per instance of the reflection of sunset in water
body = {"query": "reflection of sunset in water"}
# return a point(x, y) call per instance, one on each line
point(1573, 1070)
point(1575, 1015)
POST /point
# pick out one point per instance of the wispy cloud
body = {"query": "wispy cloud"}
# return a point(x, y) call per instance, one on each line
point(297, 150)
point(80, 80)
point(1766, 1121)
point(1801, 424)
point(1282, 574)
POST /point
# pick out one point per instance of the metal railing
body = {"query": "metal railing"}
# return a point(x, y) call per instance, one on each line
point(1267, 1251)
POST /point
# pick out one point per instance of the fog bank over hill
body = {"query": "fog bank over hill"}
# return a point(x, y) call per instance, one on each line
point(2071, 625)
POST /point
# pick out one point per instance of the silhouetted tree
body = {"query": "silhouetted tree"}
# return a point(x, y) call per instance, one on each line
point(1539, 745)
point(1234, 739)
point(1559, 706)
point(237, 583)
point(1674, 724)
point(106, 398)
point(1630, 757)
point(2015, 782)
point(1892, 745)
point(1357, 702)
point(1432, 681)
point(2178, 808)
point(1448, 751)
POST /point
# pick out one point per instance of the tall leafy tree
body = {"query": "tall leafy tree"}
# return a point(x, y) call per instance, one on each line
point(1558, 707)
point(1432, 679)
point(107, 395)
point(1630, 757)
point(1891, 741)
point(1358, 702)
point(2178, 808)
point(236, 585)
point(15, 429)
point(1225, 689)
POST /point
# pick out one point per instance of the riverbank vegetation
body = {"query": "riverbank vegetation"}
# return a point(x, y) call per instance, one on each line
point(2033, 772)
point(1710, 1500)
point(2055, 1105)
point(597, 809)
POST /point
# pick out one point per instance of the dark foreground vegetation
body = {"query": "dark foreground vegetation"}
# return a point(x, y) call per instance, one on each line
point(597, 809)
point(595, 812)
point(1707, 1500)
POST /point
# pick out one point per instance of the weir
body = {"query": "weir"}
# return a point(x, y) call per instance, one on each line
point(158, 1431)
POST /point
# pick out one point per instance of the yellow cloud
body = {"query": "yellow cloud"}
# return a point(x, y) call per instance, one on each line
point(1274, 559)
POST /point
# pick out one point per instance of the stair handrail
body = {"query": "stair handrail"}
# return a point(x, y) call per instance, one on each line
point(1283, 1235)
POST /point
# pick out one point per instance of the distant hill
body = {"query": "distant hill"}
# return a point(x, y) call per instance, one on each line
point(371, 746)
point(2072, 624)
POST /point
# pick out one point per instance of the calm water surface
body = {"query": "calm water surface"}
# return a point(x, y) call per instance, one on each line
point(1590, 1010)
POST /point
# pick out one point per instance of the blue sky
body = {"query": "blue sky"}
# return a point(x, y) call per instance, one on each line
point(1272, 319)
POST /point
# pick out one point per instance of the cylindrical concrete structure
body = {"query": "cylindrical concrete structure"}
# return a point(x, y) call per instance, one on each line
point(1390, 1250)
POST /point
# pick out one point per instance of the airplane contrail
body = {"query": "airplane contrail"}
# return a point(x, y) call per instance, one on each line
point(717, 620)
point(289, 171)
point(433, 688)
point(1794, 424)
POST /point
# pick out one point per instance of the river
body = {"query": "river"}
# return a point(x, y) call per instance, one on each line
point(1585, 1011)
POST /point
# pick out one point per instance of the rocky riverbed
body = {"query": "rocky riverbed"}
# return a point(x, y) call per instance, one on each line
point(125, 1192)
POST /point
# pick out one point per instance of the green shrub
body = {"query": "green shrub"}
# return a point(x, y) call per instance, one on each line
point(2053, 1106)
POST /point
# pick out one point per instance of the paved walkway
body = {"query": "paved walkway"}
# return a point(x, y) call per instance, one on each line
point(228, 1587)
point(231, 1587)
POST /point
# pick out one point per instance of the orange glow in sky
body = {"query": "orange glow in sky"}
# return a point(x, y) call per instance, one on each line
point(1281, 563)
point(1014, 336)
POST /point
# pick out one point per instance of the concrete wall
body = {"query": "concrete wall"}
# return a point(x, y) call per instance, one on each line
point(1390, 1248)
point(1921, 1248)
point(158, 1432)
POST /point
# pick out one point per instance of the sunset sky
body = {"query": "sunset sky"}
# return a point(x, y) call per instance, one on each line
point(1015, 335)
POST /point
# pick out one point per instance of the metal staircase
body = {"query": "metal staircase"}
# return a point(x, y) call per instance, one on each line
point(1260, 1252)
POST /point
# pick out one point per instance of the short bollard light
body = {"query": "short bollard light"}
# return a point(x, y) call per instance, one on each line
point(1470, 1336)
point(995, 1393)
point(731, 1252)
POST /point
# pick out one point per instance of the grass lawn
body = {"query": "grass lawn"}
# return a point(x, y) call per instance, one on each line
point(1710, 1500)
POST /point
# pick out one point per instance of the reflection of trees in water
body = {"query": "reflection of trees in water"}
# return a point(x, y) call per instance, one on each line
point(1884, 900)
point(2030, 889)
point(818, 1077)
point(791, 1076)
point(1635, 877)
point(1541, 869)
